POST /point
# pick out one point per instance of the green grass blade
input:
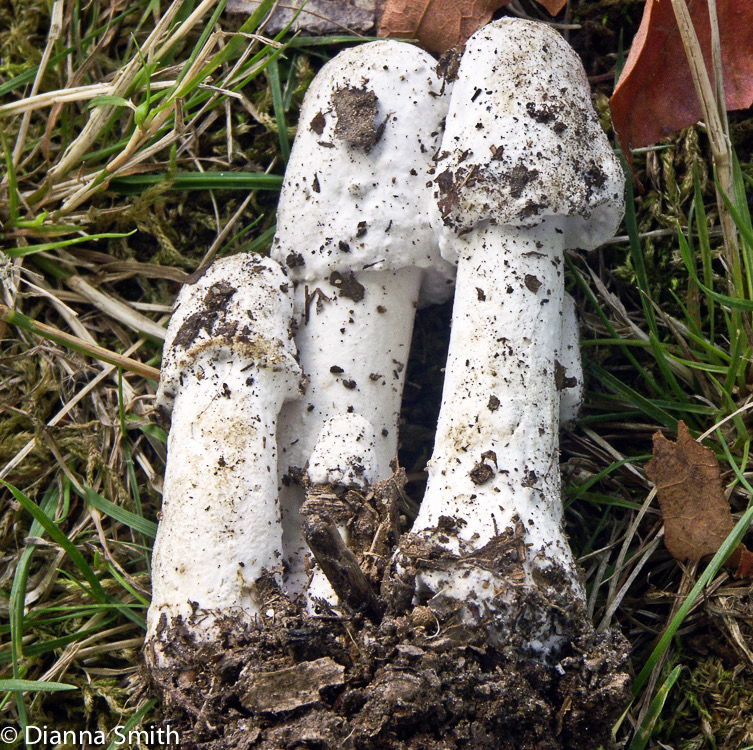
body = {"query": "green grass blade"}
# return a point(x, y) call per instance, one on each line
point(12, 181)
point(36, 685)
point(126, 517)
point(632, 396)
point(22, 252)
point(282, 129)
point(135, 184)
point(643, 735)
point(575, 492)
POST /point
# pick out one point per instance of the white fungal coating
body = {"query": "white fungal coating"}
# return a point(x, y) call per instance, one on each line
point(229, 364)
point(525, 172)
point(344, 454)
point(568, 367)
point(353, 229)
point(495, 453)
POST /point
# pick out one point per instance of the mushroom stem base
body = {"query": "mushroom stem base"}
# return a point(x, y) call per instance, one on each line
point(416, 680)
point(421, 676)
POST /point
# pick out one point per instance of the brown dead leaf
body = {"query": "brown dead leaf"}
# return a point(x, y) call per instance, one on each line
point(655, 95)
point(442, 24)
point(697, 516)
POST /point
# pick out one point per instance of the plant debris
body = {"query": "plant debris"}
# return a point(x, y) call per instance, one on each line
point(697, 517)
point(655, 95)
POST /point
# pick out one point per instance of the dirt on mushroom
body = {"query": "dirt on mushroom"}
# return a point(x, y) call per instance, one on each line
point(419, 678)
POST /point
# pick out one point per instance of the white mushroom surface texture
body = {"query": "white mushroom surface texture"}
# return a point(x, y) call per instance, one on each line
point(524, 173)
point(353, 229)
point(229, 364)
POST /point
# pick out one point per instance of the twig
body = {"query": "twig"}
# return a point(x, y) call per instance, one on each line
point(73, 342)
point(56, 26)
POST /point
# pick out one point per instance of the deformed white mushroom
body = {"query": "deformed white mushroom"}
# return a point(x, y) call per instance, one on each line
point(525, 172)
point(354, 232)
point(344, 453)
point(228, 366)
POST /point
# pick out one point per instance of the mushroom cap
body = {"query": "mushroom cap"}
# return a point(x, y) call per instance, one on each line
point(345, 453)
point(523, 142)
point(241, 307)
point(356, 193)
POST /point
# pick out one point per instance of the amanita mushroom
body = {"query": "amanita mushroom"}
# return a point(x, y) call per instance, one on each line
point(525, 172)
point(354, 232)
point(228, 366)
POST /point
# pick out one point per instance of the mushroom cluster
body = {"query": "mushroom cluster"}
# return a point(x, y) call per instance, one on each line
point(287, 373)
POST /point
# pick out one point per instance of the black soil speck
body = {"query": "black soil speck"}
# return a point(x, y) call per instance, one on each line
point(561, 378)
point(520, 176)
point(348, 285)
point(294, 260)
point(317, 123)
point(356, 111)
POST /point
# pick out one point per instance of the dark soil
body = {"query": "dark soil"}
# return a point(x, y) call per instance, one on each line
point(394, 675)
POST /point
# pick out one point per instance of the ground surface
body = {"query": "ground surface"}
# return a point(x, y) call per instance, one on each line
point(65, 434)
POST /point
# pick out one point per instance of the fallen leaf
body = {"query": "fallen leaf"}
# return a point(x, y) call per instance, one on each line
point(655, 95)
point(697, 516)
point(442, 24)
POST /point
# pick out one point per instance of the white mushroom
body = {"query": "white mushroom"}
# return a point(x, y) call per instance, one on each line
point(354, 231)
point(344, 453)
point(525, 172)
point(228, 366)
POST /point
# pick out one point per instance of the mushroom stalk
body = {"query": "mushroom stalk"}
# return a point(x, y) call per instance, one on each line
point(220, 525)
point(496, 460)
point(524, 173)
point(355, 355)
